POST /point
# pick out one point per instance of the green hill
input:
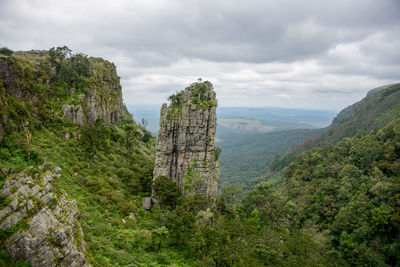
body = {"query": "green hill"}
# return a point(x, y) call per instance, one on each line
point(346, 189)
point(380, 106)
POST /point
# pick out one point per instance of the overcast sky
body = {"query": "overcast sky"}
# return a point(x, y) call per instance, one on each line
point(312, 54)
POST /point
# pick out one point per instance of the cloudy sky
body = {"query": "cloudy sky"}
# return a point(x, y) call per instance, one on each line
point(312, 54)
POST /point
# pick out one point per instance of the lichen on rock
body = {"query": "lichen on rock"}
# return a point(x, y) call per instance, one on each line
point(186, 138)
point(40, 225)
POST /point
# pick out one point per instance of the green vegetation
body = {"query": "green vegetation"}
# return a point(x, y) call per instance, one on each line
point(380, 106)
point(106, 168)
point(245, 159)
point(334, 205)
point(5, 51)
point(199, 93)
point(7, 261)
point(348, 193)
point(166, 190)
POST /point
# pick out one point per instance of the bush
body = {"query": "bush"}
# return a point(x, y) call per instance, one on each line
point(167, 190)
point(5, 51)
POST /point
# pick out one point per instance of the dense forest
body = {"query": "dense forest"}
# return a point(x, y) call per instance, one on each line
point(334, 201)
point(245, 158)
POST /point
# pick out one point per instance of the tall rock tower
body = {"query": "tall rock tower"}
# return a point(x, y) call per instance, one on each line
point(185, 146)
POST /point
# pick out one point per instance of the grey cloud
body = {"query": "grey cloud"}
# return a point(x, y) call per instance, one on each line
point(278, 52)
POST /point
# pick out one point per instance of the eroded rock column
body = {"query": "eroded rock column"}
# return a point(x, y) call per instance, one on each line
point(185, 147)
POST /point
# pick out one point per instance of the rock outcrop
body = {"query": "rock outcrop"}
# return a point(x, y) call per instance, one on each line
point(103, 101)
point(41, 92)
point(38, 223)
point(185, 147)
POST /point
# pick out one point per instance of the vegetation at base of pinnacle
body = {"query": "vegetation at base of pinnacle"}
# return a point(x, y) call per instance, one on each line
point(166, 190)
point(245, 159)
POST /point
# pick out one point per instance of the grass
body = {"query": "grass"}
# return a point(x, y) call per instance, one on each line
point(103, 197)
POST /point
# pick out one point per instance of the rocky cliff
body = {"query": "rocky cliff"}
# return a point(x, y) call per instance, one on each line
point(185, 147)
point(40, 88)
point(38, 224)
point(102, 101)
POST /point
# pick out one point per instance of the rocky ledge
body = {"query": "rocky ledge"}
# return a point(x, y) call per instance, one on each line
point(38, 224)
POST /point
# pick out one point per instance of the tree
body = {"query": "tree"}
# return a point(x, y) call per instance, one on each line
point(159, 237)
point(58, 54)
point(166, 190)
point(5, 51)
point(73, 69)
point(93, 139)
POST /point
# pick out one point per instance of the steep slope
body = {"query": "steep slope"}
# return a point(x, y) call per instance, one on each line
point(345, 191)
point(380, 106)
point(350, 192)
point(66, 109)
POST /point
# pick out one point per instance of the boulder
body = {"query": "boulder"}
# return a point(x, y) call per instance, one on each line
point(146, 203)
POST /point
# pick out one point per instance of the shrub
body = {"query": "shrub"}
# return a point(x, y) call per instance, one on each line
point(167, 190)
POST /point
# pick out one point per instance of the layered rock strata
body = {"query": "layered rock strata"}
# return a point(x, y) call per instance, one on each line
point(39, 224)
point(185, 147)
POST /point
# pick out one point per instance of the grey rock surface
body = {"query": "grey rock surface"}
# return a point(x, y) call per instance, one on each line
point(105, 102)
point(46, 230)
point(186, 140)
point(75, 114)
point(146, 203)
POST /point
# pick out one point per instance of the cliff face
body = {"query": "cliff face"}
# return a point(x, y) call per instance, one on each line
point(36, 89)
point(102, 101)
point(185, 147)
point(39, 225)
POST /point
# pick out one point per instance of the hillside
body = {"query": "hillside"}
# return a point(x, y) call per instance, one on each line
point(348, 195)
point(66, 110)
point(346, 189)
point(75, 168)
point(380, 106)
